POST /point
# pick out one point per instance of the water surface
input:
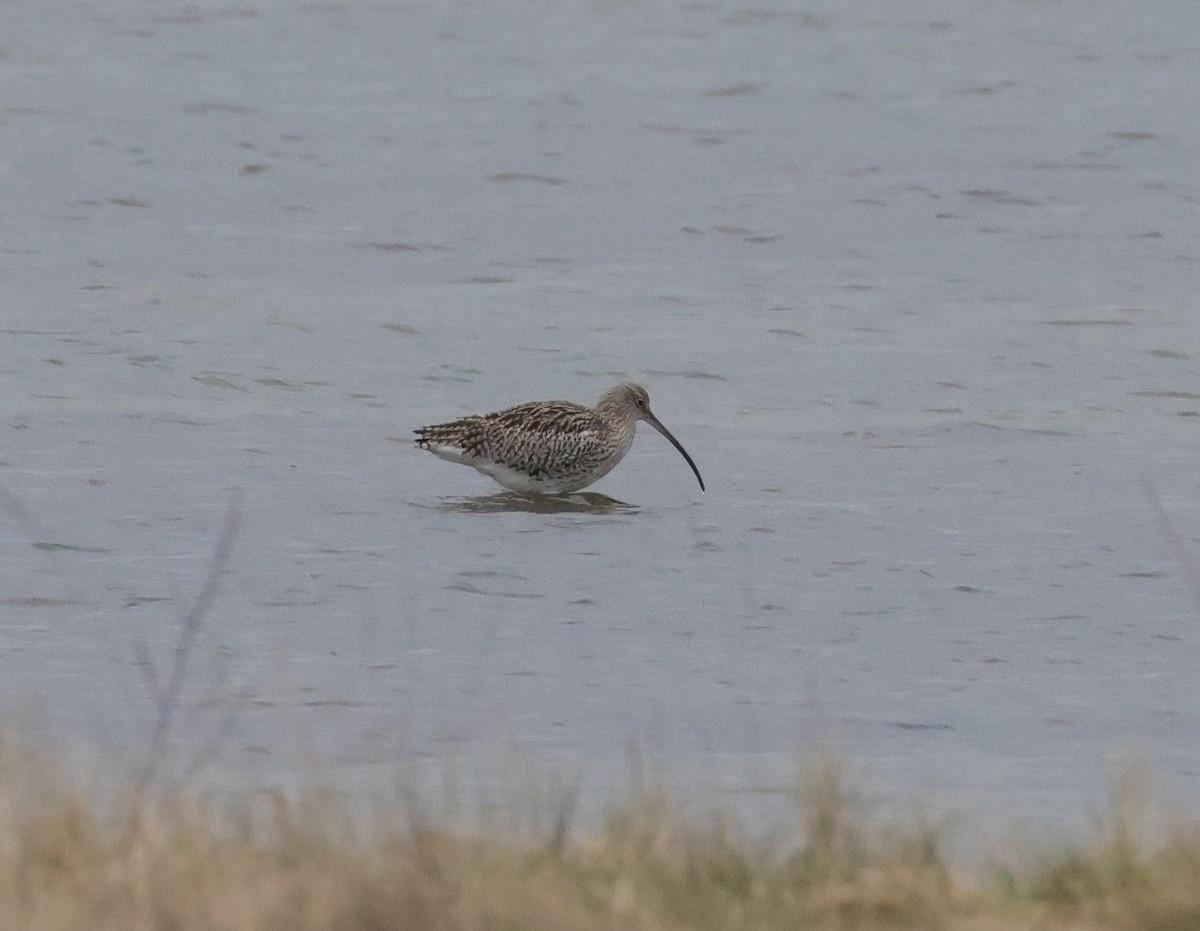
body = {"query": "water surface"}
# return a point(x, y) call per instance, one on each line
point(916, 288)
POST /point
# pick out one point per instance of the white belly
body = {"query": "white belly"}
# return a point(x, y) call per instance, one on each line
point(519, 481)
point(514, 479)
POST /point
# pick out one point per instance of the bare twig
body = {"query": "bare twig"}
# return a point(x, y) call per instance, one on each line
point(568, 802)
point(1176, 545)
point(15, 508)
point(145, 662)
point(209, 749)
point(167, 695)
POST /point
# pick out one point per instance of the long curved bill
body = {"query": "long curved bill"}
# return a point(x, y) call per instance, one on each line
point(653, 421)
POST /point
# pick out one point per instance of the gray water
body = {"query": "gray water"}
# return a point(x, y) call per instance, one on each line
point(914, 286)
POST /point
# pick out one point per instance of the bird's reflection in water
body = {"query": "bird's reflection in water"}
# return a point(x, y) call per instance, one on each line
point(510, 502)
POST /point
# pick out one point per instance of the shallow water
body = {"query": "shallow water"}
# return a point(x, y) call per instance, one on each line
point(915, 289)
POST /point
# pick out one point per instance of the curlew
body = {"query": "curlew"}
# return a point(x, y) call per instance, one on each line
point(549, 447)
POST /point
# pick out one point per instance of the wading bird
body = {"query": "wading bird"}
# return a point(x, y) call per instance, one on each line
point(549, 447)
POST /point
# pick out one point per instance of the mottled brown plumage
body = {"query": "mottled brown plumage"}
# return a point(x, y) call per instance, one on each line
point(550, 447)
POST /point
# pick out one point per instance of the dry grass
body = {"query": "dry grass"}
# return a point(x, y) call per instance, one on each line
point(270, 863)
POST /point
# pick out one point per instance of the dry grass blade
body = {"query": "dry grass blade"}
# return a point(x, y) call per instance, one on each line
point(276, 862)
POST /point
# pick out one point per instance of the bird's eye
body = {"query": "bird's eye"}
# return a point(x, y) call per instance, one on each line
point(640, 402)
